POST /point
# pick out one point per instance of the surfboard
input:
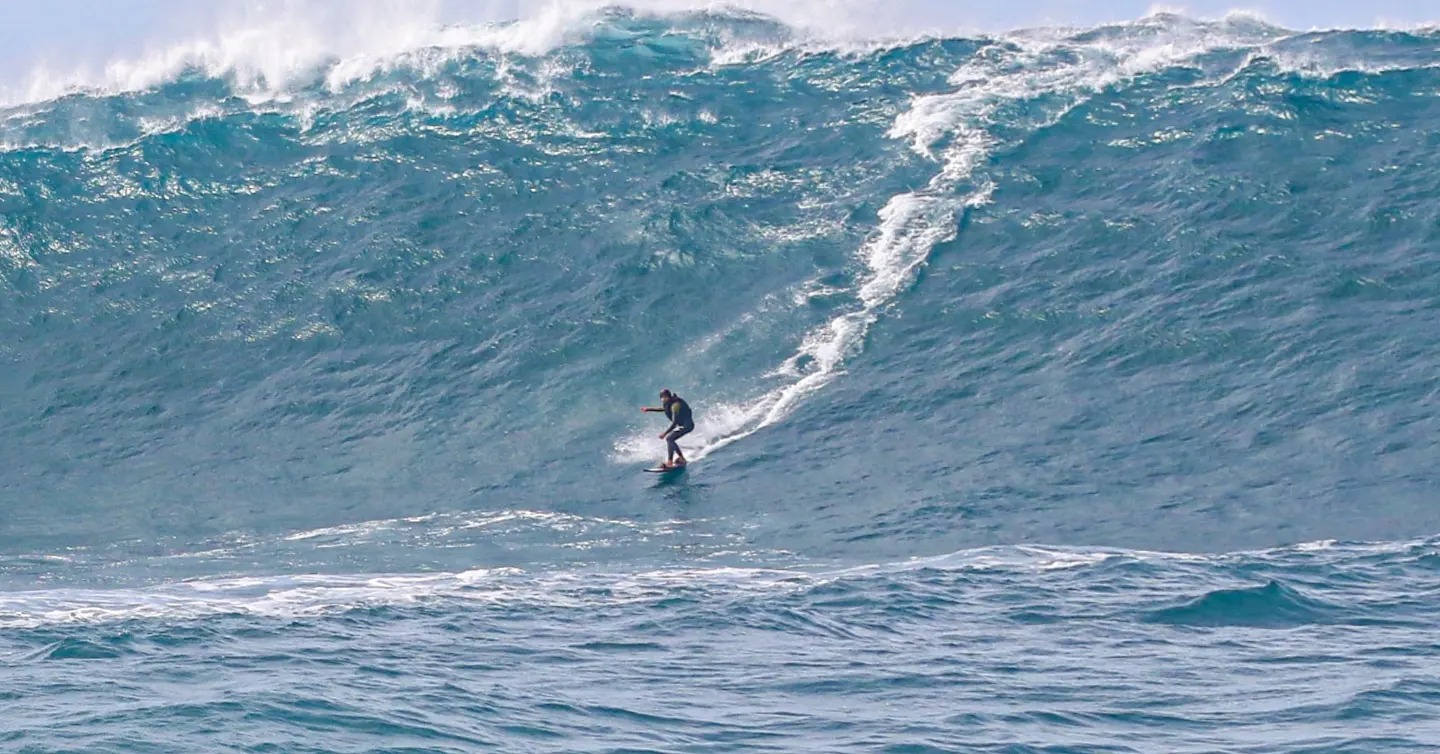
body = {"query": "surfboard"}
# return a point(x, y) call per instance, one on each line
point(665, 470)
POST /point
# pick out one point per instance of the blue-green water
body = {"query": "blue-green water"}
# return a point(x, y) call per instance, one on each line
point(1057, 392)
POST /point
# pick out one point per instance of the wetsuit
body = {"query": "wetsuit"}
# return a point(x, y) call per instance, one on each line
point(681, 423)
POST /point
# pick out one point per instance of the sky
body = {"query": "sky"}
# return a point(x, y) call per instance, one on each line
point(56, 35)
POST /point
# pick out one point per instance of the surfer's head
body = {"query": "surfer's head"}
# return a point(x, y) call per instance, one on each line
point(666, 395)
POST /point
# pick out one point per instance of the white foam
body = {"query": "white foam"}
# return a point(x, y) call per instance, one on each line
point(315, 595)
point(269, 49)
point(312, 595)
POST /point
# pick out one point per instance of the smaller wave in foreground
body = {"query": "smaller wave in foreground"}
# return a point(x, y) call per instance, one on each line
point(1273, 605)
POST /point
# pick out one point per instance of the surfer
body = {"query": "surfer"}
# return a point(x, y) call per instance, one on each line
point(681, 423)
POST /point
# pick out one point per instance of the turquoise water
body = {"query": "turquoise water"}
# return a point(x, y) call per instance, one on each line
point(1058, 391)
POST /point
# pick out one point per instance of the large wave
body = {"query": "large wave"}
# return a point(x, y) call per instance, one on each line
point(263, 282)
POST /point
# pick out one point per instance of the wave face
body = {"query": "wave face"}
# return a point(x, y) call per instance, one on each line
point(321, 383)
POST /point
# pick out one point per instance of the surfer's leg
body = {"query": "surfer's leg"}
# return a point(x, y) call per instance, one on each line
point(670, 443)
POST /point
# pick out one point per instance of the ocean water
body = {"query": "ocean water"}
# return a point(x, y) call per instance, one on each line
point(1058, 391)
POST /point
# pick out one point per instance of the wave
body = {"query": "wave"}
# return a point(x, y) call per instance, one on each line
point(1273, 605)
point(278, 53)
point(411, 286)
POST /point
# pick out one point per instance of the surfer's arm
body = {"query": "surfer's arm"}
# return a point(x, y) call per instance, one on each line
point(650, 410)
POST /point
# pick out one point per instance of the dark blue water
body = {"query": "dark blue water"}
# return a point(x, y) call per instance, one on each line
point(1057, 392)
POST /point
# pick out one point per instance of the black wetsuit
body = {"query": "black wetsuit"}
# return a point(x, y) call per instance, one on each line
point(681, 423)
